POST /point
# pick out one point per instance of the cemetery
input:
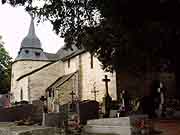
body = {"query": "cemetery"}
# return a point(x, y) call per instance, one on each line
point(110, 87)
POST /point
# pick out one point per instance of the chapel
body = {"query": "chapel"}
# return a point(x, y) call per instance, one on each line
point(58, 76)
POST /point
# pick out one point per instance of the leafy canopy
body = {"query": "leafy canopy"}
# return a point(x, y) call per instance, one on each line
point(124, 34)
point(5, 68)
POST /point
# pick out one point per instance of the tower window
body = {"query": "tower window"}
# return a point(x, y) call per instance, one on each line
point(26, 51)
point(37, 54)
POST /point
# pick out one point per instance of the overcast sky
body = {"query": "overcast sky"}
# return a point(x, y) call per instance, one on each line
point(14, 26)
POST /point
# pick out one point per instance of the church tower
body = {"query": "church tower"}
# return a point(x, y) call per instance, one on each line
point(31, 46)
point(29, 58)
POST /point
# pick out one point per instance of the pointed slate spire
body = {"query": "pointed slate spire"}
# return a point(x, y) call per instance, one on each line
point(31, 40)
point(32, 32)
point(31, 46)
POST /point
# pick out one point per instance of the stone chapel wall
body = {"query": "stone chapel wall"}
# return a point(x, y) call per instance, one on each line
point(93, 77)
point(90, 77)
point(20, 68)
point(42, 79)
point(20, 88)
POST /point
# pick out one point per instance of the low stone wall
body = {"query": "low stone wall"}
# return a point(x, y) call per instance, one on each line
point(15, 113)
point(21, 112)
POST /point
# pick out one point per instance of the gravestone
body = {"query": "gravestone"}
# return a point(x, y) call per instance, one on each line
point(132, 125)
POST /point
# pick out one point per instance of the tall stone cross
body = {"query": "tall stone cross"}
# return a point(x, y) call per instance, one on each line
point(106, 80)
point(94, 91)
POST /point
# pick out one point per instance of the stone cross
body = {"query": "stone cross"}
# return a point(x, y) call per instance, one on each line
point(94, 91)
point(106, 80)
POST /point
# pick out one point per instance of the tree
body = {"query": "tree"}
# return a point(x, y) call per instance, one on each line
point(5, 68)
point(138, 36)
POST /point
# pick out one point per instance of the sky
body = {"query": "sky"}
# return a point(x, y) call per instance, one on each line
point(14, 26)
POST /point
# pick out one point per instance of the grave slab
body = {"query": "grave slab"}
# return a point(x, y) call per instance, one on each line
point(131, 125)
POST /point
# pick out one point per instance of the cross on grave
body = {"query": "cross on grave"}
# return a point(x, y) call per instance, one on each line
point(72, 95)
point(106, 80)
point(94, 91)
point(43, 98)
point(45, 110)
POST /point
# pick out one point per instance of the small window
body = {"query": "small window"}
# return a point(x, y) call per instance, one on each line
point(49, 93)
point(37, 54)
point(21, 94)
point(92, 61)
point(68, 63)
point(26, 51)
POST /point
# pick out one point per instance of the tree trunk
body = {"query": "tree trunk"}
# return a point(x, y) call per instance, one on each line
point(177, 73)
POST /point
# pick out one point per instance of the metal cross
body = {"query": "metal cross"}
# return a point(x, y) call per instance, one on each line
point(94, 91)
point(72, 95)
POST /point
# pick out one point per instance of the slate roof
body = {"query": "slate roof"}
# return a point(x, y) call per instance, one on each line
point(31, 46)
point(31, 40)
point(51, 56)
point(61, 80)
point(65, 54)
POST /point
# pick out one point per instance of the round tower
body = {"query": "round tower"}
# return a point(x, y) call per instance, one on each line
point(29, 58)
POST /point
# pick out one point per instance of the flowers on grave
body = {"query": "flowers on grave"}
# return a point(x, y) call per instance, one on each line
point(140, 124)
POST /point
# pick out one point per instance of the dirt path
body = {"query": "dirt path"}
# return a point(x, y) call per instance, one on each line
point(168, 127)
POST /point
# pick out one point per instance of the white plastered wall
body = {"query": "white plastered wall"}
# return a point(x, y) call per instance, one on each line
point(93, 77)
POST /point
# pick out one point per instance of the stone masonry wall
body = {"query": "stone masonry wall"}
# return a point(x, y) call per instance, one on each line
point(42, 79)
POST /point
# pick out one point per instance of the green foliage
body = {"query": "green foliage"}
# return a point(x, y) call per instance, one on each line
point(125, 35)
point(5, 68)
